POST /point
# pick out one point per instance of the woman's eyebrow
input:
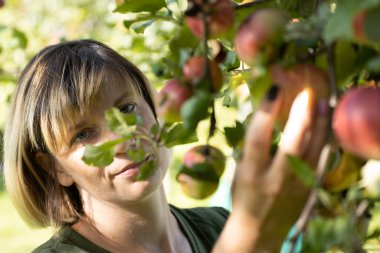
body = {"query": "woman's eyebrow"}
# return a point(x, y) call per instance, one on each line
point(124, 96)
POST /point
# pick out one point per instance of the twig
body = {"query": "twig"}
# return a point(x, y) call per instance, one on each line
point(331, 75)
point(304, 218)
point(307, 212)
point(253, 3)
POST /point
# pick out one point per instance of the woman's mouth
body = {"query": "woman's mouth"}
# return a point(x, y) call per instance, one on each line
point(132, 169)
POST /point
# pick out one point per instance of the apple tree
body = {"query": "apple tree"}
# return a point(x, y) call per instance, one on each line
point(216, 47)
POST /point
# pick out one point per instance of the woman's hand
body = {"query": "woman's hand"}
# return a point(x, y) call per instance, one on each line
point(268, 197)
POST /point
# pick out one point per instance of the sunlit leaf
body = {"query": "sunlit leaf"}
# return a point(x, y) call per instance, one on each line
point(136, 155)
point(227, 100)
point(21, 38)
point(234, 135)
point(100, 156)
point(122, 123)
point(140, 6)
point(195, 109)
point(178, 135)
point(146, 170)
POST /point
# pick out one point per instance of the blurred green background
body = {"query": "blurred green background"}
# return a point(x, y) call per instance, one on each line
point(26, 26)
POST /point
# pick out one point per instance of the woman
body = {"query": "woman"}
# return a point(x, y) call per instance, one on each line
point(58, 108)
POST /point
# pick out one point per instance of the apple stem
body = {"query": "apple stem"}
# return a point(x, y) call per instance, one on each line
point(207, 73)
point(315, 5)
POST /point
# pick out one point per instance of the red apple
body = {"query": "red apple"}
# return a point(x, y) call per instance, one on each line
point(196, 188)
point(202, 167)
point(219, 17)
point(260, 35)
point(293, 80)
point(170, 100)
point(356, 122)
point(194, 70)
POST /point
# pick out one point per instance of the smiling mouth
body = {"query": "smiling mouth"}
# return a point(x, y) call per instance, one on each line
point(134, 166)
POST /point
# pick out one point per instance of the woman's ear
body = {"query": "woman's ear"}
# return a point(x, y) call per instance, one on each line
point(47, 163)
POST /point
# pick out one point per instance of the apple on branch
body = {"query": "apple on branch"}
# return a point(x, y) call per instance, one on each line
point(170, 100)
point(293, 80)
point(218, 15)
point(356, 122)
point(194, 70)
point(260, 35)
point(202, 167)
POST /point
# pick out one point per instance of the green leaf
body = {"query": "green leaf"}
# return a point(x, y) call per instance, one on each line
point(140, 6)
point(325, 198)
point(374, 64)
point(139, 27)
point(371, 23)
point(345, 61)
point(136, 155)
point(227, 101)
point(302, 170)
point(100, 156)
point(21, 37)
point(339, 27)
point(298, 7)
point(122, 123)
point(201, 171)
point(234, 135)
point(154, 130)
point(178, 135)
point(183, 38)
point(259, 85)
point(195, 109)
point(128, 23)
point(323, 233)
point(231, 62)
point(146, 170)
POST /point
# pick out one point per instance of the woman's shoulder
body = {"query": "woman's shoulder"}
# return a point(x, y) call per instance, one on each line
point(214, 217)
point(67, 240)
point(55, 244)
point(203, 212)
point(201, 225)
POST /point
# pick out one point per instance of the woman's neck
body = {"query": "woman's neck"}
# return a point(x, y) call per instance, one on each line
point(148, 226)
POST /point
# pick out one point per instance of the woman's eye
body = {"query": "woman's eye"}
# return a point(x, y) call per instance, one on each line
point(82, 136)
point(127, 108)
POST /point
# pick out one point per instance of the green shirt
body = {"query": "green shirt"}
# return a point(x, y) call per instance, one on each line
point(201, 226)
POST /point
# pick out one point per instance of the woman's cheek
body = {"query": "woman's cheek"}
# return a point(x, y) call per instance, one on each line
point(165, 155)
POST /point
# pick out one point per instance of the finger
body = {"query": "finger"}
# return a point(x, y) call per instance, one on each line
point(318, 133)
point(296, 135)
point(259, 133)
point(294, 140)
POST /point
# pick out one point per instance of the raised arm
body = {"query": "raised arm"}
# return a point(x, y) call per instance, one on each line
point(268, 197)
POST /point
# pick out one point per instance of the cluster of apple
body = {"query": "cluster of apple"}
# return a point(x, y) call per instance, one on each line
point(260, 42)
point(203, 165)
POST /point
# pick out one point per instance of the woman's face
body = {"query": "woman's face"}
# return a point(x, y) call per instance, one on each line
point(115, 183)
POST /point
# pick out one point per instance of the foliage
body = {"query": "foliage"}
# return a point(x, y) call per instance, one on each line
point(338, 37)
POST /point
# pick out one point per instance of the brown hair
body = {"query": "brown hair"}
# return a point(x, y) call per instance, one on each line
point(58, 85)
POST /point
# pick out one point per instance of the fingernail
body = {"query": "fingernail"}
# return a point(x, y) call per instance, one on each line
point(272, 92)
